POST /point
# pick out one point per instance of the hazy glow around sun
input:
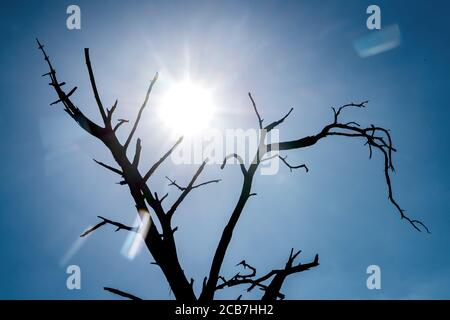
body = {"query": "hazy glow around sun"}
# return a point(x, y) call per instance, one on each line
point(186, 108)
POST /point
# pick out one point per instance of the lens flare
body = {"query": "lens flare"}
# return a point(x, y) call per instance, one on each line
point(134, 241)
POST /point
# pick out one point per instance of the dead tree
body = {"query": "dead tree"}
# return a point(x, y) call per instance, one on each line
point(160, 240)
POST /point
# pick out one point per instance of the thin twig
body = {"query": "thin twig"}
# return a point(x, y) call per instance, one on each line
point(122, 293)
point(260, 121)
point(160, 161)
point(138, 118)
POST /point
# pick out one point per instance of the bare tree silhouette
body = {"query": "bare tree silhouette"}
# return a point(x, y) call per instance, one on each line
point(161, 243)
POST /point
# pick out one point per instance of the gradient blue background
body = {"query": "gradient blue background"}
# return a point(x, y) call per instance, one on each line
point(297, 53)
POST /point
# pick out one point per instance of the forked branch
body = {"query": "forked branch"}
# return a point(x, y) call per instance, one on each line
point(283, 159)
point(278, 122)
point(271, 289)
point(377, 138)
point(174, 183)
point(186, 190)
point(238, 158)
point(120, 122)
point(118, 225)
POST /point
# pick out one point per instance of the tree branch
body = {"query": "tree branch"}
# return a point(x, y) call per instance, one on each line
point(109, 167)
point(375, 138)
point(137, 154)
point(122, 293)
point(238, 158)
point(291, 166)
point(94, 87)
point(356, 105)
point(83, 121)
point(260, 121)
point(105, 221)
point(278, 122)
point(350, 129)
point(162, 245)
point(66, 96)
point(272, 290)
point(140, 111)
point(173, 183)
point(120, 122)
point(160, 161)
point(163, 249)
point(111, 111)
point(162, 199)
point(186, 190)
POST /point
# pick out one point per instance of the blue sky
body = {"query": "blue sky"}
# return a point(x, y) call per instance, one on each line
point(299, 54)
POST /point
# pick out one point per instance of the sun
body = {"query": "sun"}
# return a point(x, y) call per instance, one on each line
point(186, 108)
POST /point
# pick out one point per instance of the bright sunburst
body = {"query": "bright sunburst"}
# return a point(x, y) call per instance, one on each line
point(186, 108)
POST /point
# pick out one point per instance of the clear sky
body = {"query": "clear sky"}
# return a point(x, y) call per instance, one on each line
point(300, 54)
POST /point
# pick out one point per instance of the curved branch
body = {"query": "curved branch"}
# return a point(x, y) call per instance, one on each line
point(120, 122)
point(375, 138)
point(260, 121)
point(291, 167)
point(278, 122)
point(238, 158)
point(356, 105)
point(186, 190)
